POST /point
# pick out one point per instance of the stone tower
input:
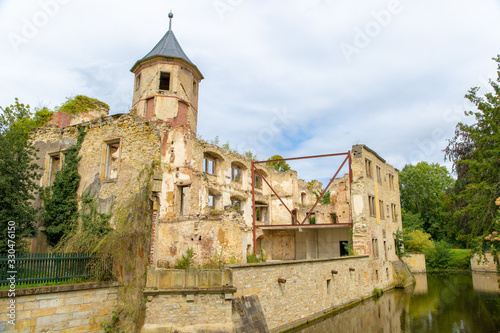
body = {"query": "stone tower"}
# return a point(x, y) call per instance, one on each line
point(166, 84)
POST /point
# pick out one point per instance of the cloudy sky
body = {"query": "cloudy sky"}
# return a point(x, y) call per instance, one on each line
point(289, 77)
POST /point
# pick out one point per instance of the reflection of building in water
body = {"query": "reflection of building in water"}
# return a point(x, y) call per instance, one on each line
point(485, 282)
point(390, 313)
point(420, 284)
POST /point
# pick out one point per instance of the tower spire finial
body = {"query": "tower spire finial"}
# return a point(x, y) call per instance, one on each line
point(170, 15)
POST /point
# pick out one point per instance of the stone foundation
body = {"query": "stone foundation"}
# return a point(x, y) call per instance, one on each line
point(64, 308)
point(486, 264)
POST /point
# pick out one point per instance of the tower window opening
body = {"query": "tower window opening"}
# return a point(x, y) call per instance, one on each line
point(164, 81)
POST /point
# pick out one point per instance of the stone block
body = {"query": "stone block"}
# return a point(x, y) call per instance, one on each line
point(215, 278)
point(152, 278)
point(191, 278)
point(51, 303)
point(165, 279)
point(178, 277)
point(227, 278)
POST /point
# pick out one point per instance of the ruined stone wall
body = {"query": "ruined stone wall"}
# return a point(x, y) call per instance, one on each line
point(373, 231)
point(65, 308)
point(486, 264)
point(310, 288)
point(415, 262)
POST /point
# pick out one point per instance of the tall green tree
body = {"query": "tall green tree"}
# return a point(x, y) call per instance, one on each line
point(18, 172)
point(422, 189)
point(475, 153)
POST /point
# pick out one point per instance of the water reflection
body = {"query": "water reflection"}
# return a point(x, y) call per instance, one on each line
point(439, 302)
point(386, 314)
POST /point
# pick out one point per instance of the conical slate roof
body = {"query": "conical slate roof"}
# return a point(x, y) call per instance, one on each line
point(168, 46)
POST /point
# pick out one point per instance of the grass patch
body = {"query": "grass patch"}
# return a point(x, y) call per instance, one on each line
point(460, 259)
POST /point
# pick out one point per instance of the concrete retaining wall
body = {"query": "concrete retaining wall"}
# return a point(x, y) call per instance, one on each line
point(64, 308)
point(312, 287)
point(416, 262)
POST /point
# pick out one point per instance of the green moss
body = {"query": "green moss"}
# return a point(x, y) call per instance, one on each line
point(81, 104)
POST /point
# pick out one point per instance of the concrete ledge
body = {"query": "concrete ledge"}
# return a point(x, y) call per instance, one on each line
point(294, 262)
point(60, 288)
point(185, 291)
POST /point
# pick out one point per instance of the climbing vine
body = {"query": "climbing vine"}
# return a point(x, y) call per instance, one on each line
point(60, 202)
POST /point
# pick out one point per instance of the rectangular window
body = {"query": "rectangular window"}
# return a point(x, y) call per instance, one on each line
point(393, 211)
point(258, 182)
point(391, 182)
point(236, 204)
point(209, 165)
point(164, 81)
point(381, 209)
point(183, 192)
point(137, 82)
point(375, 247)
point(211, 201)
point(371, 205)
point(333, 218)
point(235, 174)
point(368, 165)
point(112, 159)
point(312, 218)
point(195, 88)
point(379, 175)
point(55, 164)
point(261, 213)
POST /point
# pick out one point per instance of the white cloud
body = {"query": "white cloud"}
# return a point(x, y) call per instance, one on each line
point(263, 56)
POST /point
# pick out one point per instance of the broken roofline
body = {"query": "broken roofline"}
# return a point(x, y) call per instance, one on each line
point(254, 169)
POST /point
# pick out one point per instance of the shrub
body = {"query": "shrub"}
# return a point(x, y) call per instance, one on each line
point(418, 241)
point(439, 257)
point(460, 259)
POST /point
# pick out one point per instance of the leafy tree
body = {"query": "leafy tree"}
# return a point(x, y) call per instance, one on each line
point(422, 188)
point(475, 153)
point(280, 166)
point(18, 172)
point(411, 221)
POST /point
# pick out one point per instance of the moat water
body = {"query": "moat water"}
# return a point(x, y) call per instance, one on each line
point(438, 303)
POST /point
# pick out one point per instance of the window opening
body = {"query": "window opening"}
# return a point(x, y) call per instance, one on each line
point(393, 209)
point(236, 204)
point(391, 182)
point(209, 165)
point(375, 247)
point(368, 165)
point(112, 159)
point(312, 218)
point(55, 164)
point(236, 174)
point(381, 209)
point(333, 217)
point(379, 175)
point(371, 205)
point(164, 81)
point(137, 82)
point(303, 198)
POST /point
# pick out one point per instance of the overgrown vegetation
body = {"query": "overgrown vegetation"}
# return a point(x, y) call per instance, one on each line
point(326, 199)
point(253, 258)
point(92, 228)
point(128, 246)
point(186, 262)
point(19, 174)
point(81, 104)
point(280, 166)
point(60, 201)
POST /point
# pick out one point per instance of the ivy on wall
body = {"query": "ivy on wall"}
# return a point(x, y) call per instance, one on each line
point(60, 202)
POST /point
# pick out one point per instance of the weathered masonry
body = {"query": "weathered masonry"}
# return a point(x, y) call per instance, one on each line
point(218, 202)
